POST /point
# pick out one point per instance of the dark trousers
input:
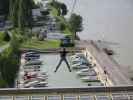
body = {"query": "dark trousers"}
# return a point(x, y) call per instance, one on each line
point(61, 60)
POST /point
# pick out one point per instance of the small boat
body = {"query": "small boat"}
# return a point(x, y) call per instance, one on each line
point(32, 67)
point(108, 51)
point(80, 67)
point(87, 73)
point(78, 55)
point(32, 55)
point(41, 84)
point(90, 79)
point(85, 70)
point(81, 61)
point(29, 53)
point(31, 58)
point(30, 84)
point(42, 78)
point(33, 62)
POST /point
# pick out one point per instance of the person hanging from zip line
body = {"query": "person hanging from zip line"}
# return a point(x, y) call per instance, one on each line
point(63, 54)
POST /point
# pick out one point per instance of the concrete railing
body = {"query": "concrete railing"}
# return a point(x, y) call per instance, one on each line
point(15, 91)
point(89, 93)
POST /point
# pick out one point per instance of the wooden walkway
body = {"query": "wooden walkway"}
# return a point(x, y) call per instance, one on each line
point(113, 69)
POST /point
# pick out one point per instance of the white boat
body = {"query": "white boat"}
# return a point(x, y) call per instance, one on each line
point(90, 79)
point(79, 67)
point(87, 73)
point(78, 55)
point(28, 53)
point(42, 78)
point(31, 67)
point(75, 58)
point(30, 84)
point(34, 62)
point(85, 70)
point(41, 84)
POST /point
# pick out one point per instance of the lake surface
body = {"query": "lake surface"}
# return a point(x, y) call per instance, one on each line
point(62, 78)
point(109, 20)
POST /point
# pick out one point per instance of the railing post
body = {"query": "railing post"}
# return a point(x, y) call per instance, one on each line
point(46, 98)
point(78, 97)
point(13, 98)
point(62, 97)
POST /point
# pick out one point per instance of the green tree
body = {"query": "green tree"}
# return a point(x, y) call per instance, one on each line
point(75, 23)
point(61, 7)
point(21, 13)
point(9, 63)
point(4, 7)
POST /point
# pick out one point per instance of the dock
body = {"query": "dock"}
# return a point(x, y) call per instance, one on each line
point(112, 68)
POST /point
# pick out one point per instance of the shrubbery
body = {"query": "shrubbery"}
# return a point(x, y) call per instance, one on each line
point(9, 63)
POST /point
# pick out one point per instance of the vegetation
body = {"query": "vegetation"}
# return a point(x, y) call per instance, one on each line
point(9, 64)
point(21, 13)
point(75, 22)
point(60, 8)
point(4, 38)
point(70, 27)
point(4, 5)
point(36, 44)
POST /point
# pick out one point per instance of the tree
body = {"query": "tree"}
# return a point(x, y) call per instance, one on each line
point(75, 22)
point(21, 13)
point(9, 63)
point(63, 9)
point(4, 7)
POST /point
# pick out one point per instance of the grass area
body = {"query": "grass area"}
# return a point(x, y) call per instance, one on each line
point(67, 32)
point(36, 44)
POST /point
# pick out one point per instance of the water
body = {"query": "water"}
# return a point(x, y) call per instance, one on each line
point(109, 20)
point(62, 78)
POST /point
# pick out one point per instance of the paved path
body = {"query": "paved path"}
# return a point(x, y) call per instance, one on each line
point(113, 69)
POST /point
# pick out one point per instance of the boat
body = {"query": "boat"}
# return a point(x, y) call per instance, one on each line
point(87, 73)
point(81, 61)
point(41, 84)
point(28, 53)
point(33, 62)
point(78, 55)
point(85, 70)
point(39, 79)
point(32, 55)
point(90, 79)
point(42, 78)
point(32, 67)
point(31, 58)
point(108, 51)
point(30, 84)
point(79, 66)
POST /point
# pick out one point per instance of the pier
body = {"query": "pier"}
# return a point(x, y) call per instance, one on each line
point(106, 65)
